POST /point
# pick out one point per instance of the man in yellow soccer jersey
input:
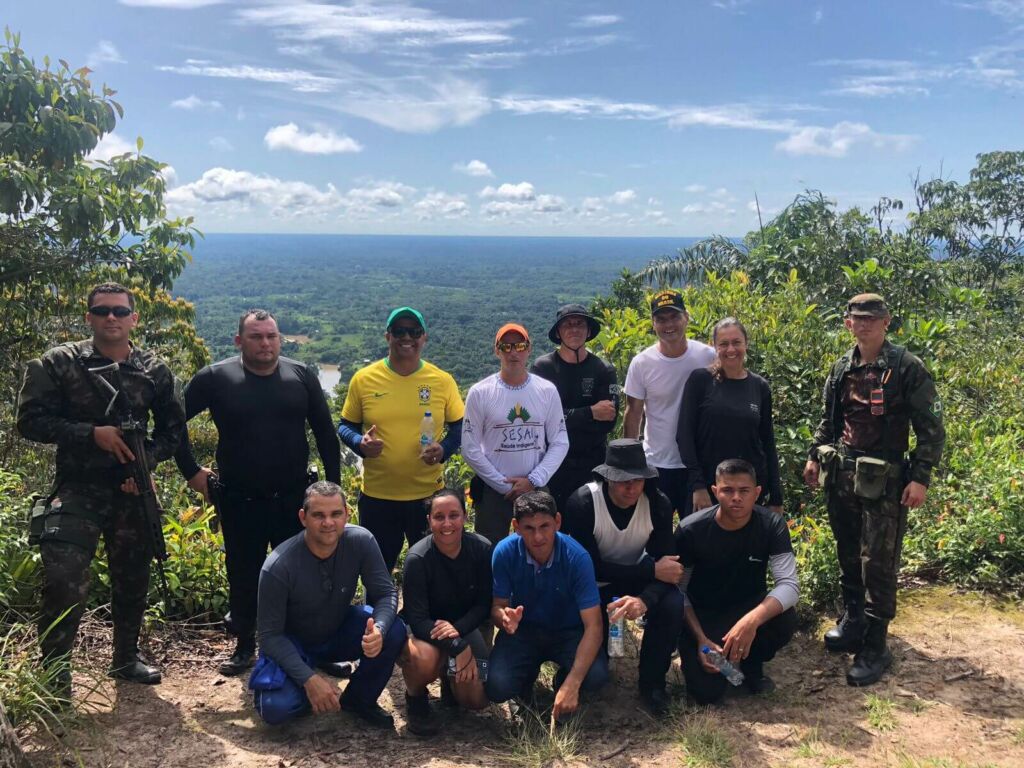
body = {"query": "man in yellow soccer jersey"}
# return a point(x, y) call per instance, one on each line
point(382, 421)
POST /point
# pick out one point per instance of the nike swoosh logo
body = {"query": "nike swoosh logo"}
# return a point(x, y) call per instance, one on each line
point(379, 394)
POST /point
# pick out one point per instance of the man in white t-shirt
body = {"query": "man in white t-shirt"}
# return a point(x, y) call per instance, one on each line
point(513, 434)
point(654, 388)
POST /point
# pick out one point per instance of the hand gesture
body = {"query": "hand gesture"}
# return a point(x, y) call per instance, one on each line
point(566, 700)
point(200, 482)
point(626, 608)
point(701, 499)
point(109, 439)
point(668, 569)
point(510, 618)
point(738, 640)
point(913, 495)
point(371, 445)
point(322, 694)
point(603, 410)
point(431, 453)
point(465, 666)
point(443, 630)
point(811, 473)
point(705, 662)
point(373, 640)
point(520, 485)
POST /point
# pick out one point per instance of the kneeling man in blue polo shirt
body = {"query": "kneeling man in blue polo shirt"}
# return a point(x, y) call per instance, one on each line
point(547, 608)
point(306, 618)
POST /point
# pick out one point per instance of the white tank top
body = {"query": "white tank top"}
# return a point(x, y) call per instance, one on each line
point(622, 547)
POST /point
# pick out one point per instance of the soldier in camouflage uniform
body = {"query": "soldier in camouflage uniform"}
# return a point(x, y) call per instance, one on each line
point(60, 402)
point(873, 395)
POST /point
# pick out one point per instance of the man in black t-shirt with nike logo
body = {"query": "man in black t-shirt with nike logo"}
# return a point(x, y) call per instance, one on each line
point(726, 551)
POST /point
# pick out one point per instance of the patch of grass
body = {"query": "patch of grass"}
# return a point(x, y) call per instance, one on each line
point(880, 712)
point(810, 744)
point(1018, 735)
point(531, 742)
point(917, 705)
point(909, 761)
point(835, 762)
point(704, 745)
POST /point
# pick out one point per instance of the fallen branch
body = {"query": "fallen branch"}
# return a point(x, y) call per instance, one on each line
point(958, 676)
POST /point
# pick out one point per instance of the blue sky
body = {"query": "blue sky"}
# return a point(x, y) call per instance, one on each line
point(541, 118)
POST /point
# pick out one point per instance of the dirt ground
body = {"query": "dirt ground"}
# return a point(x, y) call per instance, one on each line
point(955, 699)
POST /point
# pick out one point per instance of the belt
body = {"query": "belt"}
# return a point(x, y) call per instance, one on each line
point(236, 493)
point(848, 456)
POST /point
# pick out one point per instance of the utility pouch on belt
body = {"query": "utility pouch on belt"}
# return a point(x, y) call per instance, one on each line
point(828, 458)
point(869, 477)
point(38, 507)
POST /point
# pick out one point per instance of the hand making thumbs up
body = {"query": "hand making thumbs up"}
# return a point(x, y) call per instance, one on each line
point(371, 445)
point(373, 640)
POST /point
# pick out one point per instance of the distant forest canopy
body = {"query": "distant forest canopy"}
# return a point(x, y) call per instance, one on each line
point(338, 290)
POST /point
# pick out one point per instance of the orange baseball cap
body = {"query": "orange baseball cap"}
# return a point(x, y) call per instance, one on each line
point(508, 328)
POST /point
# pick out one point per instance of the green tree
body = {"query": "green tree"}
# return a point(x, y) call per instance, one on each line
point(67, 221)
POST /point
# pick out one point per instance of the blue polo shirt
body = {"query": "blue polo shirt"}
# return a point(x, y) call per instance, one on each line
point(552, 594)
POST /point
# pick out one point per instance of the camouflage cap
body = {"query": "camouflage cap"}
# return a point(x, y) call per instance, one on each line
point(867, 305)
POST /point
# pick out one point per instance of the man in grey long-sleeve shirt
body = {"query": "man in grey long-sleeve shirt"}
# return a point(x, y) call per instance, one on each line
point(727, 550)
point(306, 617)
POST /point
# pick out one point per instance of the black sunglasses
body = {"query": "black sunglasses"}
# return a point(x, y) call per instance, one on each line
point(102, 311)
point(413, 332)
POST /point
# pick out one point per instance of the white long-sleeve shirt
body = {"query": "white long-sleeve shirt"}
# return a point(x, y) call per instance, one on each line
point(514, 431)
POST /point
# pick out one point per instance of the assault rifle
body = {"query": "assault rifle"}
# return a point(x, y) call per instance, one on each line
point(133, 432)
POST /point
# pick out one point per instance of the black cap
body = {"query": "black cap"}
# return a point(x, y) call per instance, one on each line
point(667, 300)
point(624, 459)
point(574, 310)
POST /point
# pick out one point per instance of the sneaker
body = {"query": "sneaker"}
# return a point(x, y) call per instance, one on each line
point(656, 701)
point(241, 659)
point(372, 714)
point(339, 669)
point(448, 700)
point(421, 719)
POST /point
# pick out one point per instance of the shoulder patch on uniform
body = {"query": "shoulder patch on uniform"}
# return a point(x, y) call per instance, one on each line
point(936, 409)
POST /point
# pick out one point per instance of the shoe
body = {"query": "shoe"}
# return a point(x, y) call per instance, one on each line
point(421, 719)
point(371, 714)
point(656, 701)
point(241, 659)
point(874, 659)
point(759, 686)
point(132, 667)
point(448, 700)
point(848, 634)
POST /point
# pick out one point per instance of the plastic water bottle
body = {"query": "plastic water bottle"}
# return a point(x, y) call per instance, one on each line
point(426, 431)
point(723, 665)
point(617, 636)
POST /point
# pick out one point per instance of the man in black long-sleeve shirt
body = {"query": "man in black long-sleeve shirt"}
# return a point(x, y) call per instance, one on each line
point(625, 524)
point(586, 386)
point(260, 403)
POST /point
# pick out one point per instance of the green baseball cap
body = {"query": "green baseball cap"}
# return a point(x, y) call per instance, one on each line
point(406, 312)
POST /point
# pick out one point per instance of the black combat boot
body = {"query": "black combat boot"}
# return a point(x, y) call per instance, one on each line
point(129, 665)
point(420, 717)
point(870, 664)
point(241, 659)
point(848, 634)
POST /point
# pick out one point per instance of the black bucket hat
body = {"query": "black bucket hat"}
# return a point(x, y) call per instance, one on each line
point(574, 310)
point(624, 459)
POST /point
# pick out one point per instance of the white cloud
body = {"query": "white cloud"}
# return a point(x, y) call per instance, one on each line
point(173, 4)
point(226, 190)
point(819, 14)
point(732, 6)
point(364, 27)
point(110, 146)
point(1010, 10)
point(596, 20)
point(193, 102)
point(521, 191)
point(296, 79)
point(435, 104)
point(383, 194)
point(622, 197)
point(721, 193)
point(170, 175)
point(837, 140)
point(437, 205)
point(474, 168)
point(713, 207)
point(221, 144)
point(105, 52)
point(592, 204)
point(694, 189)
point(326, 142)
